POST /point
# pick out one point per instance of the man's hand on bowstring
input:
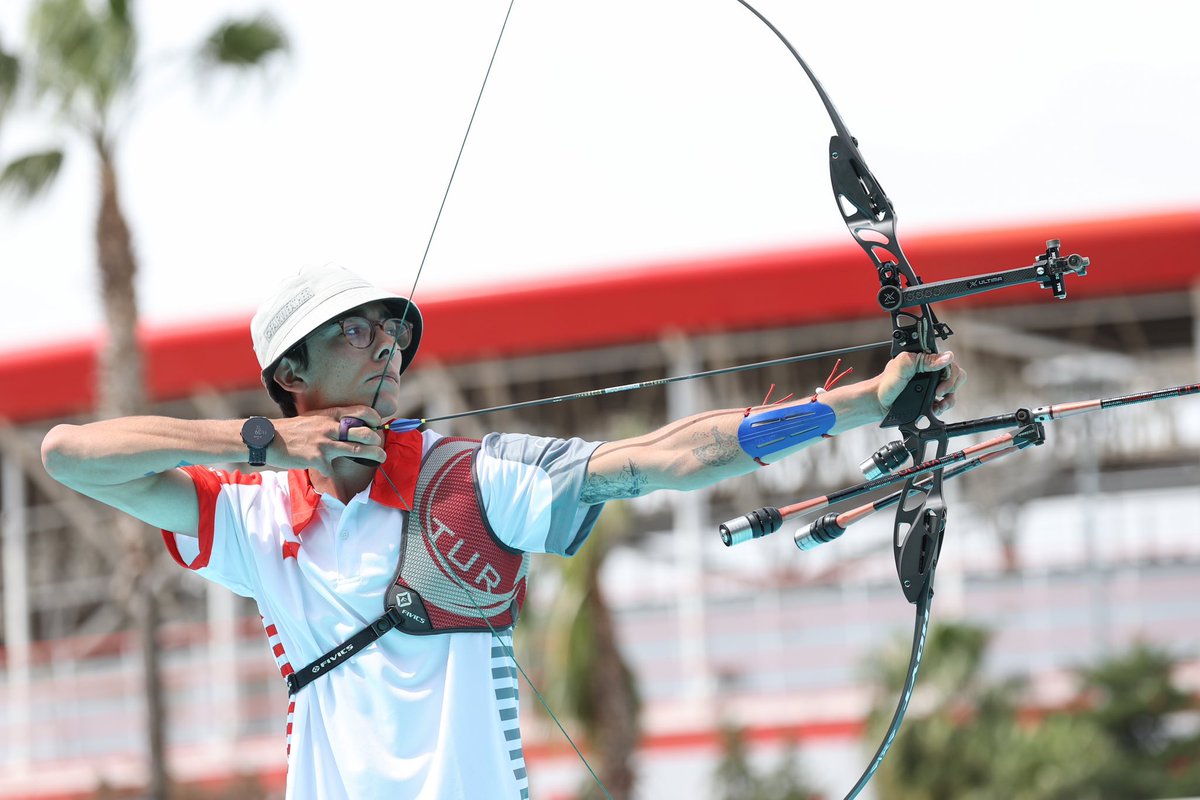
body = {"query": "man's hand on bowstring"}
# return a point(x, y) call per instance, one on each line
point(900, 370)
point(313, 440)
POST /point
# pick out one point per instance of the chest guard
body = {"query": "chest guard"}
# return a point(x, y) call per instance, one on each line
point(453, 572)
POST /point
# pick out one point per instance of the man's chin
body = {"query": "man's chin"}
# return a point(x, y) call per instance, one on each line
point(388, 402)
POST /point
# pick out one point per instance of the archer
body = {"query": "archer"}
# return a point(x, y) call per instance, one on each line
point(355, 529)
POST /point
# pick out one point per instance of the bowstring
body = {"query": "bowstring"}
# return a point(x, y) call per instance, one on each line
point(504, 643)
point(510, 652)
point(446, 194)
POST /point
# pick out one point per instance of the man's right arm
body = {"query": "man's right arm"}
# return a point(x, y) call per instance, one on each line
point(131, 463)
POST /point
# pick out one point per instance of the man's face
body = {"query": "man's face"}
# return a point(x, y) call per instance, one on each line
point(339, 373)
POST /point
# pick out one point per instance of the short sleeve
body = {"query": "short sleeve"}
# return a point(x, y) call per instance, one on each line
point(219, 552)
point(530, 488)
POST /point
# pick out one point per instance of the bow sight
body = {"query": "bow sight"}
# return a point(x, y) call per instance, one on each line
point(1049, 270)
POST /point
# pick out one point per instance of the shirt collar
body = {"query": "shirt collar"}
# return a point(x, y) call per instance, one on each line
point(402, 466)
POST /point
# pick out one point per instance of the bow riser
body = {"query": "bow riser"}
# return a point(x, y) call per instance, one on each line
point(869, 216)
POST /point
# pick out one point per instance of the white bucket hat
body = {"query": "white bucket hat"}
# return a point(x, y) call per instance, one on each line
point(309, 299)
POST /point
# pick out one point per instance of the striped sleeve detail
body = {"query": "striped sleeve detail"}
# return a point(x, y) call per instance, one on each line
point(291, 715)
point(504, 682)
point(281, 659)
point(285, 669)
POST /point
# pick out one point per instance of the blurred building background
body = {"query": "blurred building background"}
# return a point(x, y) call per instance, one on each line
point(1068, 553)
point(639, 150)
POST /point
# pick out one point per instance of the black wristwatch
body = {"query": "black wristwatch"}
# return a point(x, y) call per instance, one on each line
point(258, 433)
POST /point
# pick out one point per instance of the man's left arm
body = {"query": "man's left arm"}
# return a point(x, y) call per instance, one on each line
point(705, 448)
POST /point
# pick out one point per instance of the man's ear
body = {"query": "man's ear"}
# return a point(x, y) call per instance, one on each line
point(289, 377)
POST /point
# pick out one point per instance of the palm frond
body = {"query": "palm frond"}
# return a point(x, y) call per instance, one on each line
point(244, 43)
point(29, 176)
point(10, 77)
point(85, 58)
point(119, 9)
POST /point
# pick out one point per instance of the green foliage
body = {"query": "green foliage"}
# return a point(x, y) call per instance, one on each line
point(10, 78)
point(572, 646)
point(786, 781)
point(1061, 757)
point(244, 43)
point(583, 676)
point(83, 62)
point(84, 58)
point(735, 778)
point(29, 176)
point(1132, 699)
point(953, 658)
point(120, 11)
point(1132, 695)
point(965, 740)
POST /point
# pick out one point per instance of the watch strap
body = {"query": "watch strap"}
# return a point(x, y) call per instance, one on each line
point(258, 456)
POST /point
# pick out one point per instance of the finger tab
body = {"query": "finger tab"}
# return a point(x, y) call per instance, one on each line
point(347, 424)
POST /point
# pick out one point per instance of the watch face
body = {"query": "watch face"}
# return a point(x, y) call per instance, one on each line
point(258, 432)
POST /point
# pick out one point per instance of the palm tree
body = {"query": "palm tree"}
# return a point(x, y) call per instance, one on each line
point(83, 64)
point(1134, 699)
point(965, 736)
point(584, 671)
point(735, 778)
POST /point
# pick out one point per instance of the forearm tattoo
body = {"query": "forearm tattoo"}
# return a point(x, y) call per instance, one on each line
point(629, 482)
point(723, 448)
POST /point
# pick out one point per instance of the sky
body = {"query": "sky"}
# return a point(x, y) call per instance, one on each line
point(610, 134)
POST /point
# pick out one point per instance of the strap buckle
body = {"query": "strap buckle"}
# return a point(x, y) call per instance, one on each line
point(390, 619)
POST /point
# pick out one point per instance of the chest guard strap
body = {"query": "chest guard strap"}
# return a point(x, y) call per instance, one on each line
point(454, 575)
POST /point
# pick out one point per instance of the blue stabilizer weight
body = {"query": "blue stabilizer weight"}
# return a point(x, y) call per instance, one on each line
point(780, 428)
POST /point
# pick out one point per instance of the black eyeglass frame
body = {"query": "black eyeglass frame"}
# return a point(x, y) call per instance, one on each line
point(402, 338)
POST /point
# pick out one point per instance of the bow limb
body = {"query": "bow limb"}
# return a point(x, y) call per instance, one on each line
point(920, 515)
point(871, 220)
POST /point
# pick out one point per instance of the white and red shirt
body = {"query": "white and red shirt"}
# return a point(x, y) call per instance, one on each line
point(431, 717)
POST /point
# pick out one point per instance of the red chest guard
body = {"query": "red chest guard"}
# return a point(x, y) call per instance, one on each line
point(453, 572)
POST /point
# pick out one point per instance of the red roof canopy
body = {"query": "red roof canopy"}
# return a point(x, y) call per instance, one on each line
point(1137, 255)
